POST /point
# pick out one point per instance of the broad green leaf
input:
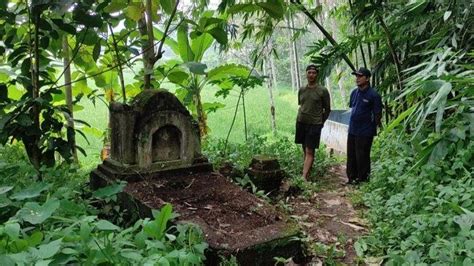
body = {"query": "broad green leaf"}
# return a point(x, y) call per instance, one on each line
point(212, 107)
point(152, 230)
point(109, 191)
point(227, 70)
point(168, 40)
point(447, 14)
point(85, 231)
point(185, 51)
point(93, 131)
point(465, 221)
point(14, 93)
point(87, 37)
point(115, 6)
point(439, 102)
point(35, 239)
point(31, 192)
point(80, 86)
point(34, 213)
point(439, 152)
point(219, 34)
point(196, 67)
point(96, 51)
point(105, 225)
point(134, 12)
point(200, 44)
point(168, 5)
point(161, 220)
point(43, 262)
point(6, 261)
point(20, 258)
point(48, 250)
point(177, 77)
point(273, 8)
point(12, 230)
point(238, 8)
point(5, 189)
point(400, 118)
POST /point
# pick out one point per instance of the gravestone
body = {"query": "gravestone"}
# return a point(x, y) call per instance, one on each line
point(155, 147)
point(265, 173)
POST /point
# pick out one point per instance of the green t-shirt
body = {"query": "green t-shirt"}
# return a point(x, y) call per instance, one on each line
point(315, 105)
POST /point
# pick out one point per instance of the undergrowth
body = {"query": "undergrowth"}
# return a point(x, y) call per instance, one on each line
point(289, 155)
point(420, 215)
point(57, 221)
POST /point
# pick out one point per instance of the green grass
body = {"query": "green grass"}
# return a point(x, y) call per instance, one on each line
point(96, 116)
point(257, 109)
point(257, 105)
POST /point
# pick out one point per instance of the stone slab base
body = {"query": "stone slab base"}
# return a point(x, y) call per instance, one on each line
point(234, 222)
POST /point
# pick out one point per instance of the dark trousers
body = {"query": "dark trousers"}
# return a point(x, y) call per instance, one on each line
point(358, 157)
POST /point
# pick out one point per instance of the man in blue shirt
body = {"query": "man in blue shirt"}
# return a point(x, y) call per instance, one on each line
point(366, 114)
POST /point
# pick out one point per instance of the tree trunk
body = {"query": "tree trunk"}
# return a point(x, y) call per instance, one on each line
point(328, 87)
point(119, 61)
point(272, 103)
point(71, 136)
point(146, 29)
point(245, 113)
point(202, 117)
point(32, 143)
point(341, 85)
point(296, 62)
point(294, 87)
point(272, 66)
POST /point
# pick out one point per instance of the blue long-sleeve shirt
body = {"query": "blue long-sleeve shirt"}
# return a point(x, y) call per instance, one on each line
point(366, 106)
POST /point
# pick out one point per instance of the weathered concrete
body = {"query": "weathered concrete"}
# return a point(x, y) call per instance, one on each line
point(154, 133)
point(265, 173)
point(335, 130)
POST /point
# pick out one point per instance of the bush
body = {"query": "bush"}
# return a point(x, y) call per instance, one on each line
point(289, 155)
point(51, 222)
point(421, 214)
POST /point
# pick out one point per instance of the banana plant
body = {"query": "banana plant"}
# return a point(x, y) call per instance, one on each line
point(190, 73)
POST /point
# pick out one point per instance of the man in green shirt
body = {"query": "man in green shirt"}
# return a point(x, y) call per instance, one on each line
point(315, 106)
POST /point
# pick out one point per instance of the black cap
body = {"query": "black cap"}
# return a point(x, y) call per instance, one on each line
point(312, 67)
point(362, 72)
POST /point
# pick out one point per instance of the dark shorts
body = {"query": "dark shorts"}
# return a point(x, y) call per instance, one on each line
point(308, 135)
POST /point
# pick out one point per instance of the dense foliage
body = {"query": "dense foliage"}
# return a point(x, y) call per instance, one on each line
point(420, 52)
point(59, 222)
point(289, 155)
point(421, 194)
point(423, 214)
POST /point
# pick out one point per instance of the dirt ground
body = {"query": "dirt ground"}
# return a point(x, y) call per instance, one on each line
point(230, 216)
point(329, 220)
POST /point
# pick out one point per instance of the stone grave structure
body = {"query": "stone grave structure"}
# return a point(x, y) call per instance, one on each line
point(155, 147)
point(265, 173)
